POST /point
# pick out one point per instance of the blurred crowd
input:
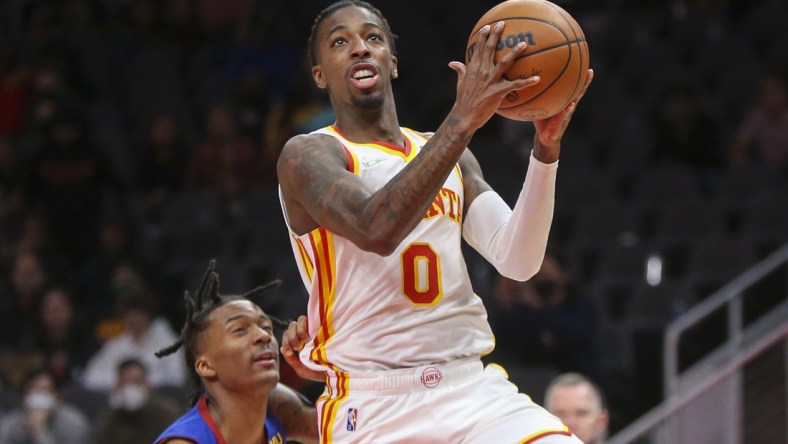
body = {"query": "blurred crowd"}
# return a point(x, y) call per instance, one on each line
point(139, 138)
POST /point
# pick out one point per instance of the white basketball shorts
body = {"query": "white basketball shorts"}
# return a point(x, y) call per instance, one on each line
point(457, 402)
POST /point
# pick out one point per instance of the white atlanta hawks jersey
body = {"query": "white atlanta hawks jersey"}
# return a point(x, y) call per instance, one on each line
point(414, 307)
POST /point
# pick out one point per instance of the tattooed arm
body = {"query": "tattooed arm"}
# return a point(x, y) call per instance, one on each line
point(319, 191)
point(296, 415)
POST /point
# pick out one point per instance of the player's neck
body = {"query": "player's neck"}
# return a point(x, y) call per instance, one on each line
point(239, 417)
point(376, 125)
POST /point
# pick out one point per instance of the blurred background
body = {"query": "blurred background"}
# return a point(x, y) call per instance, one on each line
point(138, 139)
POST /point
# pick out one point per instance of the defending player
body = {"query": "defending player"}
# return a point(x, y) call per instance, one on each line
point(232, 355)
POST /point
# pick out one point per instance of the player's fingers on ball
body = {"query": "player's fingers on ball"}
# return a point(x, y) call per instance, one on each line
point(589, 78)
point(481, 43)
point(567, 112)
point(509, 57)
point(458, 67)
point(497, 30)
point(495, 35)
point(562, 118)
point(519, 84)
point(484, 32)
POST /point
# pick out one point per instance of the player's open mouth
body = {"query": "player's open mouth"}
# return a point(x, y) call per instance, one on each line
point(364, 76)
point(265, 359)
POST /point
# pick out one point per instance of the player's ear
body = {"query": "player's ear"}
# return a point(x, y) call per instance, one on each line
point(204, 367)
point(317, 74)
point(394, 73)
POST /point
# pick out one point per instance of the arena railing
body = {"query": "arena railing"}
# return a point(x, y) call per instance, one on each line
point(743, 344)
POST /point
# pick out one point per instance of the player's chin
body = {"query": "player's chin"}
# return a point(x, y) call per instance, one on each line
point(265, 375)
point(368, 100)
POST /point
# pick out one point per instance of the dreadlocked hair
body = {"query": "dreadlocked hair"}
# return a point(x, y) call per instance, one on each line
point(336, 6)
point(198, 309)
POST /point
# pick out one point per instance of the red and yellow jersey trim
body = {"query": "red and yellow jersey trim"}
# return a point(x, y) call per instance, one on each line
point(306, 262)
point(541, 434)
point(352, 161)
point(322, 243)
point(407, 153)
point(330, 408)
point(423, 138)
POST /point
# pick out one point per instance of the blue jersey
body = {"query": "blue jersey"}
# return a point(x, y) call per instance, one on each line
point(197, 425)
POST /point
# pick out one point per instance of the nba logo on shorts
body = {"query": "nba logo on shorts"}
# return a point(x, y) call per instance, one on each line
point(352, 414)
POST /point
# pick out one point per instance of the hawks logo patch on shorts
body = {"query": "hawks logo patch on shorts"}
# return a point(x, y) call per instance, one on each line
point(431, 377)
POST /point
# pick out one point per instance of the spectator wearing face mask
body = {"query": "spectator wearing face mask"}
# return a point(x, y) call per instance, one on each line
point(44, 418)
point(137, 414)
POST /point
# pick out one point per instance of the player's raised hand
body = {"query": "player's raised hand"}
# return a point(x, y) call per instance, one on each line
point(293, 340)
point(481, 84)
point(549, 131)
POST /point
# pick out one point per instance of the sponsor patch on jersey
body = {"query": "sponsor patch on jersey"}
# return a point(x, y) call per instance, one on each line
point(369, 163)
point(431, 377)
point(352, 417)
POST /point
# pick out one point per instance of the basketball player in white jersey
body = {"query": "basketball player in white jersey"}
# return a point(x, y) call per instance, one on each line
point(377, 214)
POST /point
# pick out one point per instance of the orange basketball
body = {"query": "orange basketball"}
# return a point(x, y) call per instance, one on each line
point(557, 52)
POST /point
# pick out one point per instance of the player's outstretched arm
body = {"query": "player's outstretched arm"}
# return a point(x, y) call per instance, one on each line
point(514, 240)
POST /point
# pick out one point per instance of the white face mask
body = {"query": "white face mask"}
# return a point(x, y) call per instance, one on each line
point(40, 400)
point(129, 397)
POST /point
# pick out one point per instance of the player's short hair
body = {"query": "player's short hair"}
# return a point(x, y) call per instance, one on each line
point(570, 379)
point(336, 6)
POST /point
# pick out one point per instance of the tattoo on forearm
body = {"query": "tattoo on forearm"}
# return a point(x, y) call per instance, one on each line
point(413, 189)
point(397, 208)
point(298, 419)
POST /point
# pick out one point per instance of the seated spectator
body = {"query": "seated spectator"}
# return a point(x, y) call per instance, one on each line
point(137, 413)
point(62, 336)
point(144, 334)
point(546, 320)
point(162, 162)
point(68, 180)
point(686, 134)
point(763, 137)
point(9, 399)
point(44, 419)
point(225, 161)
point(118, 249)
point(12, 179)
point(19, 304)
point(124, 280)
point(579, 403)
